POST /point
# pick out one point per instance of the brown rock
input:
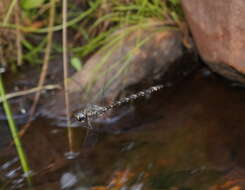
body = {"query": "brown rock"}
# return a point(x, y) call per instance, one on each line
point(141, 57)
point(218, 29)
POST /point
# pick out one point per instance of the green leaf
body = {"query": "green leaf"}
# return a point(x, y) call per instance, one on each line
point(76, 63)
point(175, 2)
point(31, 4)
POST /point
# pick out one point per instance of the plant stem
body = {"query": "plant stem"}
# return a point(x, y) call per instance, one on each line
point(65, 68)
point(14, 132)
point(10, 10)
point(45, 65)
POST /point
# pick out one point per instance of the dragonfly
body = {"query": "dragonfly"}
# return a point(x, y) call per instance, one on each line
point(92, 112)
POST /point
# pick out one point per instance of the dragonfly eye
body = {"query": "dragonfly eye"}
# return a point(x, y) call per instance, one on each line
point(80, 117)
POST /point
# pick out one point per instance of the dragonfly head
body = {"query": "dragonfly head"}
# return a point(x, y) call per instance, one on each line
point(80, 116)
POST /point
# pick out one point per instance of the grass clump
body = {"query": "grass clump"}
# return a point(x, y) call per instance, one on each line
point(113, 15)
point(90, 23)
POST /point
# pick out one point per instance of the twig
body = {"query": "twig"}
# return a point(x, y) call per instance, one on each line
point(2, 60)
point(10, 10)
point(44, 67)
point(30, 91)
point(18, 36)
point(65, 68)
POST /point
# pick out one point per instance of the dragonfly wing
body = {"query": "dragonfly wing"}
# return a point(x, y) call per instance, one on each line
point(96, 108)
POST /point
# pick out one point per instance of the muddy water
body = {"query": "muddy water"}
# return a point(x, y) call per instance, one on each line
point(188, 136)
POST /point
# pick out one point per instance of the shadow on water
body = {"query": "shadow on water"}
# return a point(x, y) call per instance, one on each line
point(188, 136)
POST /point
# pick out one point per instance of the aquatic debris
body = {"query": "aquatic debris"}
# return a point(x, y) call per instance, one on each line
point(68, 180)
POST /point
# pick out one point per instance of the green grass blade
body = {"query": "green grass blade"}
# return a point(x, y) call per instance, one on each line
point(14, 132)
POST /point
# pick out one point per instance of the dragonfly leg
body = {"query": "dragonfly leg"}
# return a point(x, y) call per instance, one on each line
point(90, 126)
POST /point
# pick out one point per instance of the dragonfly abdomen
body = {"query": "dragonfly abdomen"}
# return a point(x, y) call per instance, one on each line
point(98, 111)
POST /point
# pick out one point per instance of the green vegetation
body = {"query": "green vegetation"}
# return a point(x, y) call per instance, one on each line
point(14, 132)
point(33, 30)
point(90, 23)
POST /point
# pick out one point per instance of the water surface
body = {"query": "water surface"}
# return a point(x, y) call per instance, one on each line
point(188, 136)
